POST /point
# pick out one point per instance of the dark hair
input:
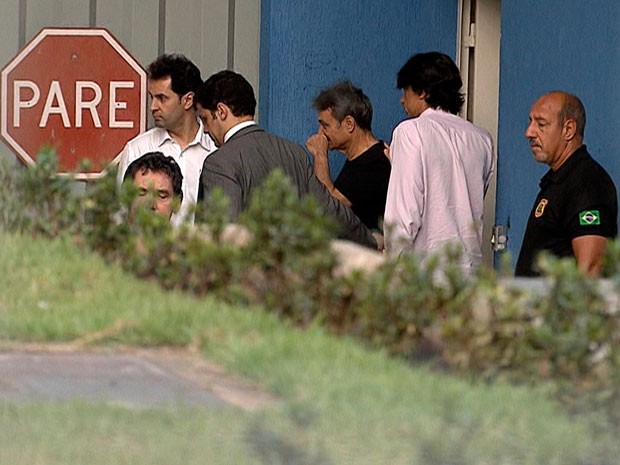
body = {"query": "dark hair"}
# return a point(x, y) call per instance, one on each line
point(157, 162)
point(229, 88)
point(343, 99)
point(184, 75)
point(572, 108)
point(438, 76)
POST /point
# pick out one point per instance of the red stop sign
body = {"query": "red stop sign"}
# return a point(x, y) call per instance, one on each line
point(77, 90)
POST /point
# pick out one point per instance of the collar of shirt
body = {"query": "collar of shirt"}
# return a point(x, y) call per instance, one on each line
point(201, 137)
point(235, 129)
point(566, 168)
point(430, 111)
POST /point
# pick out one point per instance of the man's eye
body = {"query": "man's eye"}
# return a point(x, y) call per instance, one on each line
point(142, 192)
point(163, 195)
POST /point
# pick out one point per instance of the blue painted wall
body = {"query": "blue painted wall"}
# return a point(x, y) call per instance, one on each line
point(554, 44)
point(307, 45)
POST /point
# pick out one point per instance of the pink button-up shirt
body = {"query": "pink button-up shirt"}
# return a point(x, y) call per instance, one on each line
point(441, 166)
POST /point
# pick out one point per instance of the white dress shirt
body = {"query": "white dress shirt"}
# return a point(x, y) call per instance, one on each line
point(190, 161)
point(441, 166)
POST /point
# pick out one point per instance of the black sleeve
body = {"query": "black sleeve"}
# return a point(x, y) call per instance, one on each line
point(351, 226)
point(593, 209)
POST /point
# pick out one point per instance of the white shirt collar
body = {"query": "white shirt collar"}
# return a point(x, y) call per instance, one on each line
point(199, 138)
point(235, 129)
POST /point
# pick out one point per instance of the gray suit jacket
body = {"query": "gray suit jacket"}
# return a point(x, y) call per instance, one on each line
point(247, 158)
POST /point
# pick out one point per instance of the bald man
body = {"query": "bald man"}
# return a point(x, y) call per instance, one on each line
point(575, 212)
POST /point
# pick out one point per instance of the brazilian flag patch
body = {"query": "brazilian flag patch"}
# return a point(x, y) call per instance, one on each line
point(589, 218)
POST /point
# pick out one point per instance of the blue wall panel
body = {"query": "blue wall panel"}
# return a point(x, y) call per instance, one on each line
point(309, 44)
point(556, 44)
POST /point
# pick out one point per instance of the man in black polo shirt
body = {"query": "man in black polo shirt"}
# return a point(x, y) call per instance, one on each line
point(345, 117)
point(575, 212)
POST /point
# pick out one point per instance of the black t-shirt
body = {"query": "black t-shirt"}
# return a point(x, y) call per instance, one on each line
point(576, 200)
point(364, 181)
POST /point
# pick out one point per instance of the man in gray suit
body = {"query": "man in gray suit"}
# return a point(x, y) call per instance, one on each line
point(247, 154)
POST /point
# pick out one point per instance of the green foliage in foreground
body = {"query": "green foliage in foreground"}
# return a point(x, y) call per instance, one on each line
point(568, 335)
point(563, 338)
point(340, 403)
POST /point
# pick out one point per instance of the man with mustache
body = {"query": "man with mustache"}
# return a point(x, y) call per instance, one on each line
point(575, 212)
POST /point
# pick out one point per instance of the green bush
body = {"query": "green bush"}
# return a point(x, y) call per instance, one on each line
point(36, 199)
point(289, 250)
point(567, 335)
point(12, 203)
point(104, 227)
point(577, 339)
point(400, 304)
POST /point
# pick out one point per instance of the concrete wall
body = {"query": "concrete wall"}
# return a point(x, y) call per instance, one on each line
point(555, 44)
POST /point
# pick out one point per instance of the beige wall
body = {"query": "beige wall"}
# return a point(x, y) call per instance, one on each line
point(215, 34)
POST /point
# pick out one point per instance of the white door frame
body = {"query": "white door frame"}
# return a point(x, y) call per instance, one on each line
point(478, 44)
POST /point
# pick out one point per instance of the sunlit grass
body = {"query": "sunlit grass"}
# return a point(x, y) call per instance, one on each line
point(339, 402)
point(80, 433)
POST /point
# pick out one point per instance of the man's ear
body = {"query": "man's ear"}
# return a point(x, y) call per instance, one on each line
point(188, 100)
point(570, 129)
point(222, 111)
point(349, 123)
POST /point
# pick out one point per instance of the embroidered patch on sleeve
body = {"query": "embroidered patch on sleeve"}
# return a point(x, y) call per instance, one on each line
point(589, 218)
point(540, 208)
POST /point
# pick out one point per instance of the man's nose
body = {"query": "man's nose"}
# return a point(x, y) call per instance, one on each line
point(529, 132)
point(150, 202)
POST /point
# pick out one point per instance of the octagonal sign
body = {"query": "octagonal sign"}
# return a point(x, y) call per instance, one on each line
point(77, 91)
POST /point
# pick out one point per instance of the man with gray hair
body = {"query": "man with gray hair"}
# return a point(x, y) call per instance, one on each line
point(345, 117)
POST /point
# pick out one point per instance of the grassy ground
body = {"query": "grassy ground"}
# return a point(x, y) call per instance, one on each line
point(340, 402)
point(79, 433)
